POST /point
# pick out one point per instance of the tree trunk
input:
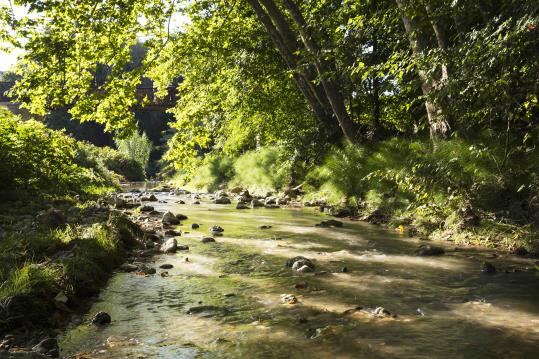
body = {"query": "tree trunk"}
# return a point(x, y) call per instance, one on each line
point(291, 61)
point(439, 127)
point(331, 87)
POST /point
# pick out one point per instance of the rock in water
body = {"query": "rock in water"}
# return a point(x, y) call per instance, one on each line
point(305, 269)
point(52, 218)
point(194, 226)
point(146, 208)
point(222, 200)
point(181, 217)
point(170, 219)
point(166, 266)
point(256, 203)
point(301, 262)
point(208, 240)
point(289, 299)
point(170, 246)
point(242, 205)
point(488, 268)
point(217, 229)
point(330, 223)
point(101, 318)
point(381, 312)
point(428, 250)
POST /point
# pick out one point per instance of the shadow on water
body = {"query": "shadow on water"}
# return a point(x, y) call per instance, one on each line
point(226, 301)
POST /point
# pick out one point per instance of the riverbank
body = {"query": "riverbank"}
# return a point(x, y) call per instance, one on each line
point(54, 258)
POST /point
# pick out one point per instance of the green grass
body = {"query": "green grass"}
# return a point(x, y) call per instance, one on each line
point(34, 268)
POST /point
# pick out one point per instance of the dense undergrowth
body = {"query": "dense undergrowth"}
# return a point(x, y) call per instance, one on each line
point(418, 186)
point(35, 160)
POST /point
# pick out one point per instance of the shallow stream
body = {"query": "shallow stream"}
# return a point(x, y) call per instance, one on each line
point(225, 301)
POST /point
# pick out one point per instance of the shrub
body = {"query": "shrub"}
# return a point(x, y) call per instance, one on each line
point(213, 171)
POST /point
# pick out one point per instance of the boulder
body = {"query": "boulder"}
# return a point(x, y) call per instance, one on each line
point(256, 203)
point(429, 250)
point(245, 193)
point(222, 200)
point(270, 200)
point(195, 226)
point(208, 240)
point(242, 205)
point(166, 266)
point(183, 247)
point(170, 219)
point(181, 217)
point(170, 246)
point(101, 318)
point(172, 233)
point(52, 218)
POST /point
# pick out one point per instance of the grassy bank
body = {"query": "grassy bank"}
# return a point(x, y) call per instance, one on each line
point(47, 273)
point(453, 190)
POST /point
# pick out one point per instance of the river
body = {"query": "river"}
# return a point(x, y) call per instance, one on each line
point(224, 301)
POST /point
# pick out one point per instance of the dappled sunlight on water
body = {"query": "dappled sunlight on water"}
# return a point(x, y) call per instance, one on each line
point(225, 300)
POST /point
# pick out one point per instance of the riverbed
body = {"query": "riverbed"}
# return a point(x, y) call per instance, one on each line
point(224, 299)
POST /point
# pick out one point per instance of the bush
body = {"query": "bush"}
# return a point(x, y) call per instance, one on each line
point(33, 157)
point(213, 171)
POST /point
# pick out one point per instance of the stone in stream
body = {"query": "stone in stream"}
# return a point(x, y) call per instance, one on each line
point(170, 219)
point(288, 299)
point(256, 203)
point(242, 205)
point(170, 246)
point(488, 268)
point(298, 262)
point(265, 226)
point(194, 226)
point(146, 208)
point(183, 247)
point(48, 346)
point(172, 232)
point(216, 229)
point(181, 217)
point(305, 269)
point(222, 200)
point(166, 266)
point(208, 240)
point(381, 312)
point(101, 318)
point(429, 250)
point(329, 223)
point(149, 244)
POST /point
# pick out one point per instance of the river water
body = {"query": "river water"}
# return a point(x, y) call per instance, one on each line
point(225, 301)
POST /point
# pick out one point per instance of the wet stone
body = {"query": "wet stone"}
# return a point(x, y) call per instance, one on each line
point(330, 223)
point(429, 250)
point(166, 266)
point(488, 268)
point(101, 318)
point(208, 240)
point(194, 226)
point(288, 299)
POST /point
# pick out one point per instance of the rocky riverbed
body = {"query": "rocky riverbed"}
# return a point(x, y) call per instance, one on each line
point(233, 275)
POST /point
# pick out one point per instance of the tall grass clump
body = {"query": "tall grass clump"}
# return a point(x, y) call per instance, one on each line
point(137, 147)
point(211, 172)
